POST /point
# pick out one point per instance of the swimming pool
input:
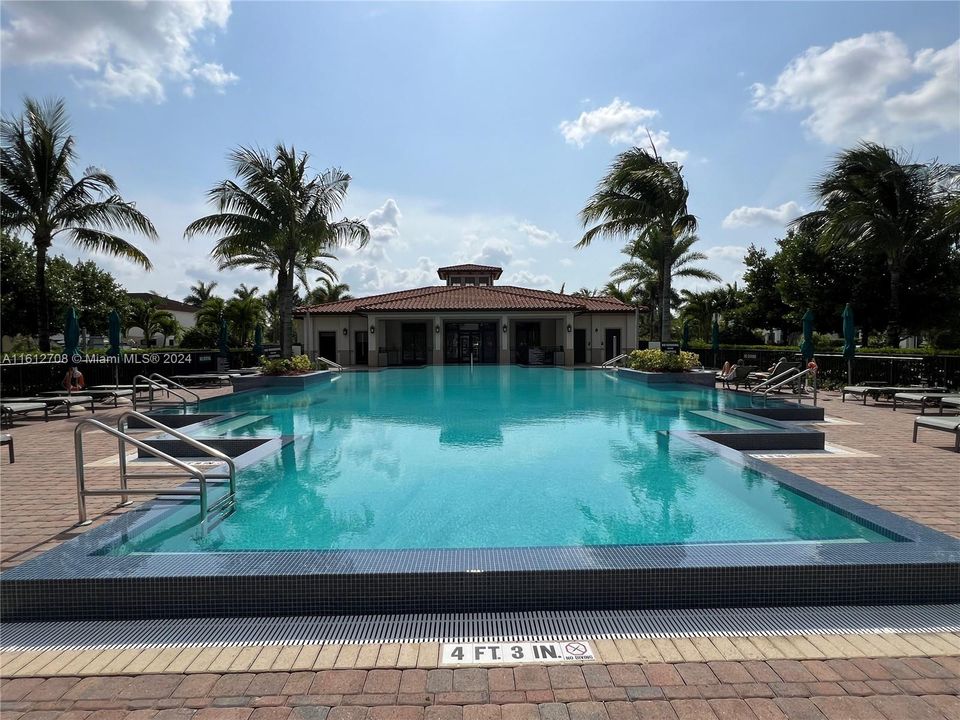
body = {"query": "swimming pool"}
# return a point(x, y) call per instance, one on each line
point(494, 456)
point(498, 489)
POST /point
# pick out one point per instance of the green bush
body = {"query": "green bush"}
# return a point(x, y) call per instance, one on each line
point(296, 365)
point(660, 361)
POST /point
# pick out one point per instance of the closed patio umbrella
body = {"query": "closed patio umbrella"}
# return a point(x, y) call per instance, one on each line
point(223, 344)
point(715, 340)
point(71, 335)
point(114, 334)
point(257, 343)
point(806, 346)
point(849, 341)
point(685, 337)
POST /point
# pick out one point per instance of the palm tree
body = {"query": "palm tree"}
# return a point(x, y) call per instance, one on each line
point(244, 313)
point(242, 292)
point(698, 307)
point(876, 200)
point(200, 293)
point(643, 198)
point(42, 197)
point(650, 256)
point(586, 292)
point(212, 313)
point(146, 315)
point(328, 291)
point(278, 218)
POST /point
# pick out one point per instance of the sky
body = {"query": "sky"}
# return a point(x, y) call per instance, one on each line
point(475, 132)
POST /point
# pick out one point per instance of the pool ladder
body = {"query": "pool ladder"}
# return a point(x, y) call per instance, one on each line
point(202, 477)
point(164, 384)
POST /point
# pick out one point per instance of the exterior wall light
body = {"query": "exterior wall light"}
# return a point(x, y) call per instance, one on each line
point(505, 328)
point(436, 329)
point(373, 329)
point(569, 328)
point(345, 331)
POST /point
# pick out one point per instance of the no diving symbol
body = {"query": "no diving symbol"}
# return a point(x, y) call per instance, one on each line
point(575, 648)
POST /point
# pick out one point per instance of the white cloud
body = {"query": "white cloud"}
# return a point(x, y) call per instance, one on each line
point(869, 87)
point(538, 236)
point(120, 50)
point(368, 278)
point(751, 216)
point(622, 124)
point(494, 252)
point(525, 278)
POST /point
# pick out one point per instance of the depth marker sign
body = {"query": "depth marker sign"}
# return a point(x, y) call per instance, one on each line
point(516, 653)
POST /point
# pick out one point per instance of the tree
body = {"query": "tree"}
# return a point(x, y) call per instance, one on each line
point(643, 198)
point(764, 308)
point(200, 293)
point(212, 313)
point(41, 197)
point(649, 256)
point(586, 292)
point(245, 293)
point(244, 312)
point(146, 315)
point(877, 201)
point(328, 291)
point(278, 219)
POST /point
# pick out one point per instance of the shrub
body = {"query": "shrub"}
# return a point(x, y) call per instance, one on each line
point(296, 365)
point(660, 361)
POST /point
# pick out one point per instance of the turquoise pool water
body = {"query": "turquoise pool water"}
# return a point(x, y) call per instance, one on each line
point(496, 456)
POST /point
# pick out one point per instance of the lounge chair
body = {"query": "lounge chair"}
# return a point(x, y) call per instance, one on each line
point(97, 393)
point(862, 391)
point(205, 380)
point(951, 425)
point(8, 441)
point(65, 401)
point(9, 409)
point(925, 399)
point(739, 374)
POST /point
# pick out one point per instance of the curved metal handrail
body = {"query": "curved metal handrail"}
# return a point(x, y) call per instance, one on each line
point(612, 361)
point(787, 374)
point(153, 384)
point(169, 382)
point(123, 491)
point(336, 366)
point(792, 379)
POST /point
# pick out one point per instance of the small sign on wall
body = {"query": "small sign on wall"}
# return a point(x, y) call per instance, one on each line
point(516, 653)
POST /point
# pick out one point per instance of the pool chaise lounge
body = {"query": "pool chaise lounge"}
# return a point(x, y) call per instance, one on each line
point(55, 402)
point(862, 391)
point(9, 409)
point(205, 379)
point(927, 400)
point(944, 424)
point(97, 393)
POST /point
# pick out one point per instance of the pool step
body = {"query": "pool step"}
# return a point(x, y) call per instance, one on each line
point(229, 424)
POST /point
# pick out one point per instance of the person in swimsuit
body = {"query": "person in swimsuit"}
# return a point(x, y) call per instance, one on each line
point(73, 380)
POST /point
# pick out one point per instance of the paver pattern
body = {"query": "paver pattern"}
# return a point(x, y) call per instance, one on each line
point(867, 689)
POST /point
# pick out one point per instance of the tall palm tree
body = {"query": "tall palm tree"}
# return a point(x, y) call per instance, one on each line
point(212, 313)
point(642, 197)
point(328, 291)
point(146, 315)
point(244, 313)
point(650, 256)
point(242, 292)
point(42, 198)
point(200, 293)
point(877, 200)
point(278, 218)
point(586, 292)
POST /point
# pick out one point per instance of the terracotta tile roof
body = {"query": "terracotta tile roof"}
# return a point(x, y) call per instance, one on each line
point(471, 268)
point(468, 298)
point(164, 303)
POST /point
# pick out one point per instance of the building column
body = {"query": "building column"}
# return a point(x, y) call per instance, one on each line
point(567, 339)
point(438, 339)
point(373, 357)
point(505, 341)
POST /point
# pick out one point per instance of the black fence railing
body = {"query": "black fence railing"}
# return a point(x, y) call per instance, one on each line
point(889, 369)
point(29, 378)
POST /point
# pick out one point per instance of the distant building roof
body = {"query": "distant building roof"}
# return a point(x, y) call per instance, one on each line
point(164, 303)
point(470, 269)
point(468, 298)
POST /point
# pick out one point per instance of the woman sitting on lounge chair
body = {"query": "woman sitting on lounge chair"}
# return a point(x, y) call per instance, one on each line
point(73, 380)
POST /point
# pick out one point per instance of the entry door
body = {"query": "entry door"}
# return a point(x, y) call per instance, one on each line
point(528, 336)
point(413, 343)
point(327, 345)
point(579, 346)
point(612, 343)
point(360, 345)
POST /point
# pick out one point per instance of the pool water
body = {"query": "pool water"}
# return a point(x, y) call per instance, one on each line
point(494, 456)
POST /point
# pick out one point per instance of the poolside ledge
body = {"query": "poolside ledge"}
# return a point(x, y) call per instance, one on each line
point(694, 377)
point(291, 382)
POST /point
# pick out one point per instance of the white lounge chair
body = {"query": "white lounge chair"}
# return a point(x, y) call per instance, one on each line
point(944, 424)
point(10, 409)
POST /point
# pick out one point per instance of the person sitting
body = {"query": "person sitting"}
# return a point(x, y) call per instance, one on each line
point(73, 380)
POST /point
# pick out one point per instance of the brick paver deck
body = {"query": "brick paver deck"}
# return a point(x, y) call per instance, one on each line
point(883, 676)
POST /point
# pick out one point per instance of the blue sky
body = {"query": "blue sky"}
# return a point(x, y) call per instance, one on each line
point(475, 132)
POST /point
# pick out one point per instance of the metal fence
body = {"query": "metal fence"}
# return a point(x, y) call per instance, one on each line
point(886, 369)
point(30, 378)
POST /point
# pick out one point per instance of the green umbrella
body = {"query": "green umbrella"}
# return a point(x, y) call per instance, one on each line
point(806, 347)
point(257, 343)
point(685, 337)
point(715, 340)
point(114, 334)
point(71, 335)
point(223, 344)
point(849, 341)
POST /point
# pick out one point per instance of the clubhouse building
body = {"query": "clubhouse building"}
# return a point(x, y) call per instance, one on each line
point(470, 318)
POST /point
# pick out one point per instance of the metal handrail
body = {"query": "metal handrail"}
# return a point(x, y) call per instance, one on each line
point(791, 379)
point(614, 360)
point(336, 366)
point(791, 372)
point(169, 382)
point(124, 491)
point(153, 384)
